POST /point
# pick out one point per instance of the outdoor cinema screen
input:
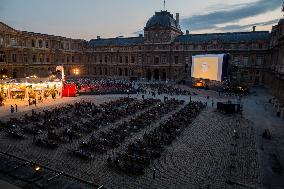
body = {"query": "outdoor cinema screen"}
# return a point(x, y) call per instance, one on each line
point(207, 66)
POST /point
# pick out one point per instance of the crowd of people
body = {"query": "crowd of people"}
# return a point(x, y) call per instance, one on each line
point(102, 86)
point(63, 124)
point(160, 88)
point(117, 135)
point(138, 155)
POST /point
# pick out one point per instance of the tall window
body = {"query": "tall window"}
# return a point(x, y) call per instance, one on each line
point(40, 43)
point(41, 58)
point(2, 57)
point(73, 59)
point(126, 59)
point(46, 44)
point(132, 59)
point(120, 59)
point(245, 61)
point(13, 42)
point(176, 59)
point(1, 41)
point(34, 58)
point(105, 59)
point(48, 60)
point(25, 58)
point(33, 43)
point(157, 60)
point(14, 57)
point(259, 61)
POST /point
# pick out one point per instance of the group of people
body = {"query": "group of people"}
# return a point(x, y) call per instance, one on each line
point(102, 86)
point(160, 88)
point(14, 108)
point(115, 136)
point(139, 154)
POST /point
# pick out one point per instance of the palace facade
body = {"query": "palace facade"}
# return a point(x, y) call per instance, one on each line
point(163, 53)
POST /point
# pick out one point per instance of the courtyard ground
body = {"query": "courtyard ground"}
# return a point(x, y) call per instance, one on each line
point(206, 155)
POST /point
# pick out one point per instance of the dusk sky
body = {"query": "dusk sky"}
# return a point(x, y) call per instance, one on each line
point(86, 19)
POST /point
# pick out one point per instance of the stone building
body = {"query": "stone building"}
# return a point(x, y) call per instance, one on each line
point(24, 53)
point(274, 67)
point(163, 53)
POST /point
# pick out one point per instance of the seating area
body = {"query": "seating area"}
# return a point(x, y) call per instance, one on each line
point(124, 142)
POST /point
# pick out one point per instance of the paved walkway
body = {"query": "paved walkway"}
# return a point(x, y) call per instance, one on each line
point(263, 116)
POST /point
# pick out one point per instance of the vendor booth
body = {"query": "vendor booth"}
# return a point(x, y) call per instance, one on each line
point(31, 89)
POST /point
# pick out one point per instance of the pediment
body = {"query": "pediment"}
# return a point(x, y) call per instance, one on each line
point(4, 28)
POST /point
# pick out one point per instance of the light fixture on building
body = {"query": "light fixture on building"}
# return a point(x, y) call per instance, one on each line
point(76, 71)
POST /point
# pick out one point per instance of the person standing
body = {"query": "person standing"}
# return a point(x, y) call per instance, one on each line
point(154, 174)
point(212, 103)
point(16, 107)
point(12, 109)
point(35, 102)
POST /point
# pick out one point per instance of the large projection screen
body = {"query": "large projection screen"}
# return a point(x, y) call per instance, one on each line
point(207, 66)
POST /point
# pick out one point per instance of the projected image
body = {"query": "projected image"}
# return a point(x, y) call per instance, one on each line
point(207, 67)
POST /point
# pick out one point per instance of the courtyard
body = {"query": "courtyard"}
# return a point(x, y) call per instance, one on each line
point(207, 153)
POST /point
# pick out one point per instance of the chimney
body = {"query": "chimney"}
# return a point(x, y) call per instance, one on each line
point(98, 37)
point(253, 28)
point(187, 32)
point(177, 18)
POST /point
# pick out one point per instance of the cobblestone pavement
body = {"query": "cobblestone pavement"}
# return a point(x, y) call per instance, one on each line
point(206, 155)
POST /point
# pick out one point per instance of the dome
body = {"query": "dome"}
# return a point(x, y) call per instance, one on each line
point(164, 19)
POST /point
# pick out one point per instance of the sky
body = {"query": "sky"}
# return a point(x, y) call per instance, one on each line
point(87, 19)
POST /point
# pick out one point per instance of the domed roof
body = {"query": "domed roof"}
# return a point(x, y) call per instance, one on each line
point(164, 19)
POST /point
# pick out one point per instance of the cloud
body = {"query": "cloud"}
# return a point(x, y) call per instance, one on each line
point(244, 27)
point(233, 13)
